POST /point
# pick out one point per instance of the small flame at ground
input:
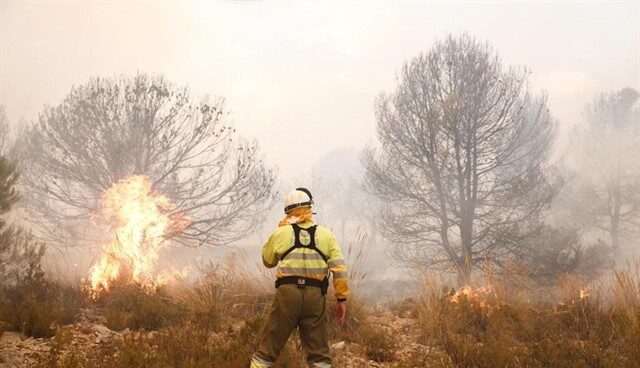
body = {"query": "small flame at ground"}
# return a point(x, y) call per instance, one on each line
point(476, 295)
point(466, 291)
point(141, 222)
point(584, 293)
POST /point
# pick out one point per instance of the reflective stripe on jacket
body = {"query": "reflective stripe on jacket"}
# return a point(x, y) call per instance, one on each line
point(304, 262)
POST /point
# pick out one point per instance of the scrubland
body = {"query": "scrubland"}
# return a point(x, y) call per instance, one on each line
point(215, 322)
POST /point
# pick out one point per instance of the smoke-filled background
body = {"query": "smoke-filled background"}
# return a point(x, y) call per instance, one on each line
point(460, 142)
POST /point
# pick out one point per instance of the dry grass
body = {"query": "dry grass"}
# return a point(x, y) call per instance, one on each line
point(502, 325)
point(226, 292)
point(35, 306)
point(216, 321)
point(377, 345)
point(359, 328)
point(184, 346)
point(134, 307)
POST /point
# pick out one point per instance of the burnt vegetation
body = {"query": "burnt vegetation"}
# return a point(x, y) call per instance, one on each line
point(538, 255)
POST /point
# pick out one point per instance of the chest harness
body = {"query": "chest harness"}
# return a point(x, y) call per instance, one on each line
point(301, 282)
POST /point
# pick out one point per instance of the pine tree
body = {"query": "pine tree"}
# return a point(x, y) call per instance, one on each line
point(20, 255)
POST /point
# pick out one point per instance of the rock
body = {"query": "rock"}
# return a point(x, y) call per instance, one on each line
point(102, 330)
point(339, 345)
point(19, 351)
point(85, 328)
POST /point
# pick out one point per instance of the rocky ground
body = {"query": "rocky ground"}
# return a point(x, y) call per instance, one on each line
point(401, 331)
point(18, 351)
point(90, 335)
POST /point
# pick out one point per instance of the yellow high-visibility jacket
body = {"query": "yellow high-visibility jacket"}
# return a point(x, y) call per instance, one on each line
point(304, 262)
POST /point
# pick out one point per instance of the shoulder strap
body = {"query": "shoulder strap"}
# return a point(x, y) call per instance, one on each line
point(298, 244)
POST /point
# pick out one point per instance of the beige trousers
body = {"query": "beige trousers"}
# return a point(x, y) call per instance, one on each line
point(305, 308)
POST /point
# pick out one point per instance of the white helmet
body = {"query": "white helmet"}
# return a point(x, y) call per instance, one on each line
point(298, 197)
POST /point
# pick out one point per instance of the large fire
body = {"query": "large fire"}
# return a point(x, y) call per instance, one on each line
point(140, 221)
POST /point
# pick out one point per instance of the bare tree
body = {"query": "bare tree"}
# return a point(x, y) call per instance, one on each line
point(603, 193)
point(462, 162)
point(108, 129)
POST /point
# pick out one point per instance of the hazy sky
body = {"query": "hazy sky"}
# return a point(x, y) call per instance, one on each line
point(302, 77)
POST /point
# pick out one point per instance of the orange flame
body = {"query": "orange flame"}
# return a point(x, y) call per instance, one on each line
point(474, 295)
point(141, 222)
point(584, 293)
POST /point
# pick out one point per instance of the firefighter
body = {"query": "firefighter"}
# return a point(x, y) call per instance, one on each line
point(304, 253)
